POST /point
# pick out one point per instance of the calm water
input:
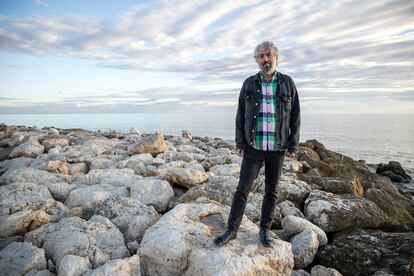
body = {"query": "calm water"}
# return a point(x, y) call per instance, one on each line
point(373, 137)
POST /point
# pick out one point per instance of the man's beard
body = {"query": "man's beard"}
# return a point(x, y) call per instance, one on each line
point(267, 68)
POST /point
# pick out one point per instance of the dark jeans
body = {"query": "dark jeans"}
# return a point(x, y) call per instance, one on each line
point(251, 165)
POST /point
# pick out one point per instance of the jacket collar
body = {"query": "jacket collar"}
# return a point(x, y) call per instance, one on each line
point(280, 77)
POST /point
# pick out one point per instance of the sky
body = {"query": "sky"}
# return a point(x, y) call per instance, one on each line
point(96, 56)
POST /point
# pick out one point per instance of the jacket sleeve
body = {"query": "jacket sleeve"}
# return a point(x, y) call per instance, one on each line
point(294, 127)
point(240, 137)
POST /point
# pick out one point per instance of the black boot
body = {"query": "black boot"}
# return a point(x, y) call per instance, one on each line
point(264, 237)
point(225, 238)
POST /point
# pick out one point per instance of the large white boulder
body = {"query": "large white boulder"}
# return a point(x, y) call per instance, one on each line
point(181, 243)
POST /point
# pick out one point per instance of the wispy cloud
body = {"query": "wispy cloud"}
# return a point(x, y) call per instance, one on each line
point(328, 47)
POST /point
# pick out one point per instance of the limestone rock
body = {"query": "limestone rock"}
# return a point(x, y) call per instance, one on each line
point(98, 239)
point(186, 134)
point(53, 142)
point(15, 164)
point(340, 186)
point(134, 130)
point(73, 265)
point(130, 216)
point(19, 258)
point(77, 168)
point(185, 177)
point(53, 131)
point(304, 247)
point(56, 166)
point(30, 175)
point(334, 213)
point(221, 189)
point(25, 206)
point(324, 271)
point(153, 144)
point(300, 272)
point(86, 197)
point(121, 267)
point(156, 193)
point(136, 165)
point(293, 190)
point(228, 169)
point(180, 243)
point(287, 208)
point(27, 149)
point(183, 156)
point(115, 177)
point(60, 190)
point(194, 165)
point(102, 163)
point(294, 225)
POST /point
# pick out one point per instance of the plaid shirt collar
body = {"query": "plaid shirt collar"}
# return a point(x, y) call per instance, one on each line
point(274, 77)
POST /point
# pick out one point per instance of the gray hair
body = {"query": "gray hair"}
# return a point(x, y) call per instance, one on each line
point(266, 45)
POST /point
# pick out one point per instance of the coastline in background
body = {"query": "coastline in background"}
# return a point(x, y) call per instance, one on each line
point(375, 138)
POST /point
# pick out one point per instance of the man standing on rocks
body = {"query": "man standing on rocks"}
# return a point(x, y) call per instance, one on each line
point(267, 129)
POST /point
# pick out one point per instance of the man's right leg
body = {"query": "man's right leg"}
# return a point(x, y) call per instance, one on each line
point(248, 173)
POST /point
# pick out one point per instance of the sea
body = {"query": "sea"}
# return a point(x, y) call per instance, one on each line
point(375, 138)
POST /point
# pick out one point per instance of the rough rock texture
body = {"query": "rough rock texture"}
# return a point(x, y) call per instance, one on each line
point(180, 243)
point(304, 247)
point(228, 169)
point(20, 257)
point(288, 208)
point(130, 216)
point(153, 143)
point(86, 197)
point(56, 166)
point(363, 252)
point(394, 171)
point(117, 177)
point(340, 186)
point(98, 239)
point(30, 175)
point(153, 192)
point(300, 272)
point(73, 265)
point(26, 206)
point(295, 191)
point(185, 177)
point(396, 212)
point(53, 142)
point(221, 189)
point(60, 190)
point(334, 213)
point(121, 267)
point(294, 225)
point(27, 149)
point(319, 270)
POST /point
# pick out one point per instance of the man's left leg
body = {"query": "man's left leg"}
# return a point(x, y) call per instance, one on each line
point(273, 170)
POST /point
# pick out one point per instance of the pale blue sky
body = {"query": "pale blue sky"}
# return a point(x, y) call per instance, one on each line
point(140, 56)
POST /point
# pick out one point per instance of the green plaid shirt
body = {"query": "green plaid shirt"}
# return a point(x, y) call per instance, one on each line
point(265, 138)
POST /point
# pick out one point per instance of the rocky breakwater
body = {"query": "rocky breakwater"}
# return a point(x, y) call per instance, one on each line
point(75, 202)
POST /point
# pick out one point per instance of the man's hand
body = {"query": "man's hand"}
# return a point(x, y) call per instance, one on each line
point(291, 154)
point(240, 152)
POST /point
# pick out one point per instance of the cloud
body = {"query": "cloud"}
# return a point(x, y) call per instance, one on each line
point(336, 46)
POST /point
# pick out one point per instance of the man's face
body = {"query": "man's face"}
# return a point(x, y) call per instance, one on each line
point(267, 61)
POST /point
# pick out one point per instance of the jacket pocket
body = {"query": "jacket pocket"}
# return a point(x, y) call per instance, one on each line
point(287, 103)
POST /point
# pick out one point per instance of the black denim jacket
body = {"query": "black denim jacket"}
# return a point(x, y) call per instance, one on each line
point(287, 113)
